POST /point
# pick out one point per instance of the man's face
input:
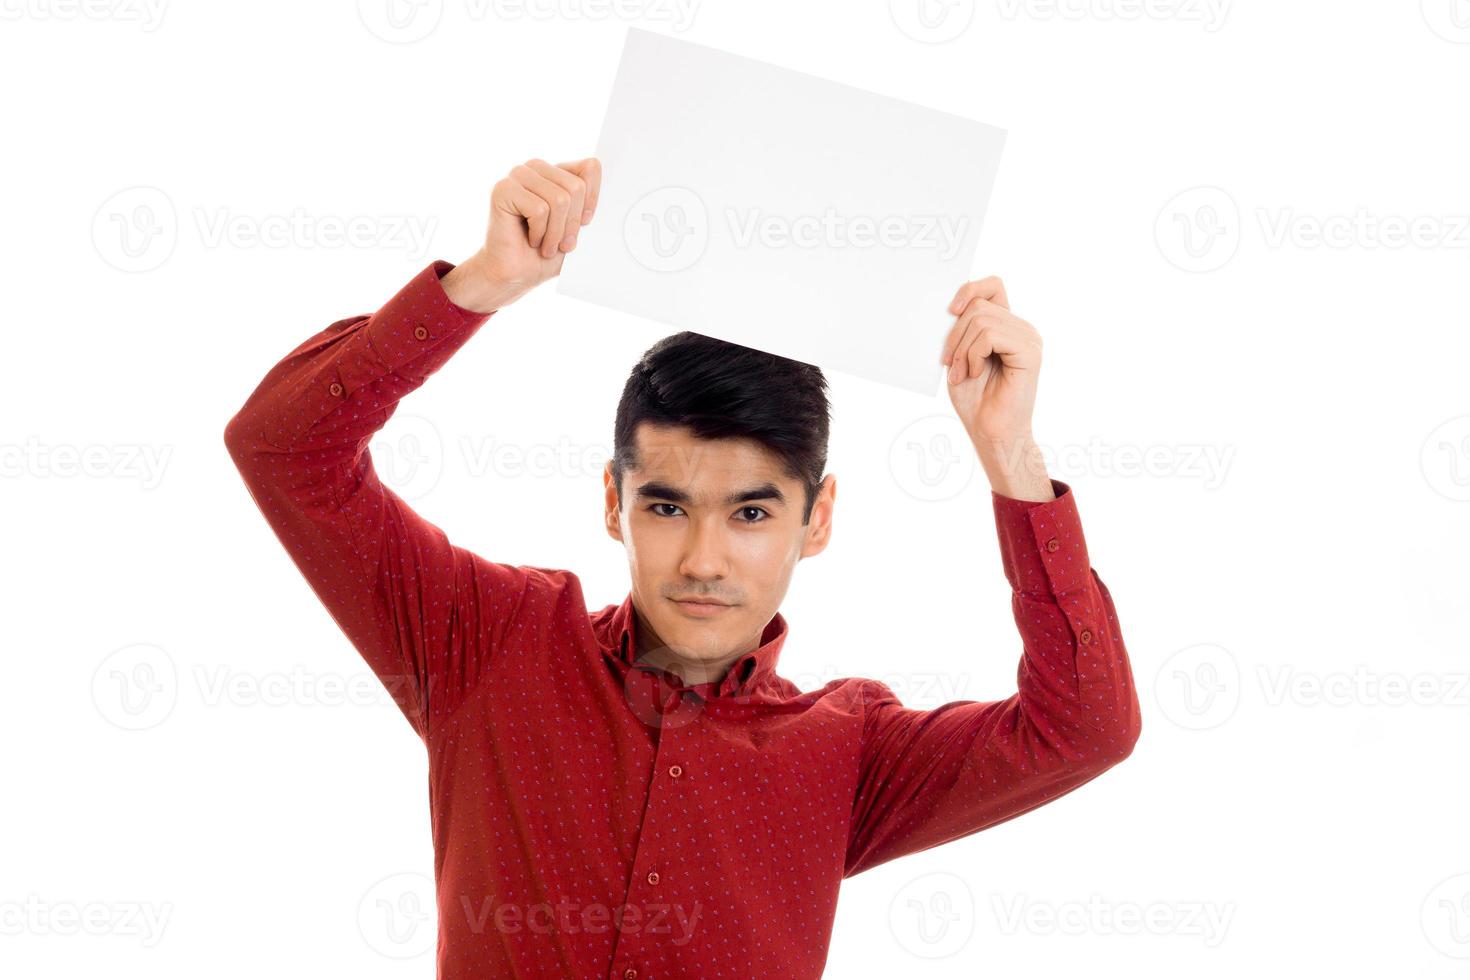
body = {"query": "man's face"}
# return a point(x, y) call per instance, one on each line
point(713, 520)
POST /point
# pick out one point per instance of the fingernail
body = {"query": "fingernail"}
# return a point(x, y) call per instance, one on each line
point(568, 242)
point(586, 216)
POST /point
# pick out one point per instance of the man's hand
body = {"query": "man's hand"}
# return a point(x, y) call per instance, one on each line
point(536, 213)
point(994, 359)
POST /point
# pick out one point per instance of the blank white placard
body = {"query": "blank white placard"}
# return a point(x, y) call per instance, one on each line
point(785, 212)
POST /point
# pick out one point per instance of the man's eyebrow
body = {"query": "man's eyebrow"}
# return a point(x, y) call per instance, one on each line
point(662, 491)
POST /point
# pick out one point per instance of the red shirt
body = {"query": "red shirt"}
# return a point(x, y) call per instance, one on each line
point(593, 818)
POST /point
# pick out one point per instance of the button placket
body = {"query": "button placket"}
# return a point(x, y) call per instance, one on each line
point(652, 845)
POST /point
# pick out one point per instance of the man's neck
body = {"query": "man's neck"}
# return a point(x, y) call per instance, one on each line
point(653, 651)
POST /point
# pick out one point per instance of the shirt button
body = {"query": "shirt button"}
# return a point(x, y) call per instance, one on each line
point(653, 877)
point(420, 332)
point(630, 974)
point(336, 388)
point(1085, 636)
point(676, 771)
point(1052, 544)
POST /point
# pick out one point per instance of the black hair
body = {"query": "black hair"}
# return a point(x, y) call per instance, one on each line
point(721, 390)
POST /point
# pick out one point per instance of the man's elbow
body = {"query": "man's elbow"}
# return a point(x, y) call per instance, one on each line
point(243, 446)
point(1116, 738)
point(240, 437)
point(234, 432)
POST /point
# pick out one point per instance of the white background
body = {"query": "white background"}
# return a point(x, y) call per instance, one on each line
point(1256, 390)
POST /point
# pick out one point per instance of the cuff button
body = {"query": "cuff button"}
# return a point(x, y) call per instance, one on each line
point(336, 388)
point(420, 332)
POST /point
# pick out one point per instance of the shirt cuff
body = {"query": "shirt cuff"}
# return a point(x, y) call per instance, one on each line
point(416, 326)
point(1041, 544)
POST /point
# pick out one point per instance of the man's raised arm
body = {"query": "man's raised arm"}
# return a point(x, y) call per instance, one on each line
point(425, 614)
point(927, 777)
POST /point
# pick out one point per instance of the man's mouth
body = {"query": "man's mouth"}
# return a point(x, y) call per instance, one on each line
point(702, 607)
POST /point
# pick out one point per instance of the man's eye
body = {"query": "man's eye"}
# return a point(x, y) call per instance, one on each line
point(743, 510)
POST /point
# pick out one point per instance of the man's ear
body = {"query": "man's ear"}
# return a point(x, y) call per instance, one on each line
point(819, 525)
point(611, 518)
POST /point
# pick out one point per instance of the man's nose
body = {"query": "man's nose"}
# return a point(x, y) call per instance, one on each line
point(704, 553)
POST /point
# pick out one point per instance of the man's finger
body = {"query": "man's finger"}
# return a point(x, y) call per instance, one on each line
point(573, 185)
point(558, 199)
point(990, 288)
point(973, 311)
point(526, 204)
point(590, 170)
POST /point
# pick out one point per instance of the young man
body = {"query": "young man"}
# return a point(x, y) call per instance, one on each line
point(635, 792)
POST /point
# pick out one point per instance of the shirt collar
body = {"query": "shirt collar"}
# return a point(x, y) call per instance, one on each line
point(745, 674)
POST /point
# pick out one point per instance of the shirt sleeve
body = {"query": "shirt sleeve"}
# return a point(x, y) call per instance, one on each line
point(424, 613)
point(929, 777)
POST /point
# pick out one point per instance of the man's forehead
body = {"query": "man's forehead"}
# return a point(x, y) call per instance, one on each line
point(705, 465)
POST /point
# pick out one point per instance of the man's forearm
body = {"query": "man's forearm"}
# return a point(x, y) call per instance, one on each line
point(1015, 467)
point(470, 288)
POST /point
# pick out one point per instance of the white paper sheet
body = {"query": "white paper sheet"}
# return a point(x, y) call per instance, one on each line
point(782, 211)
